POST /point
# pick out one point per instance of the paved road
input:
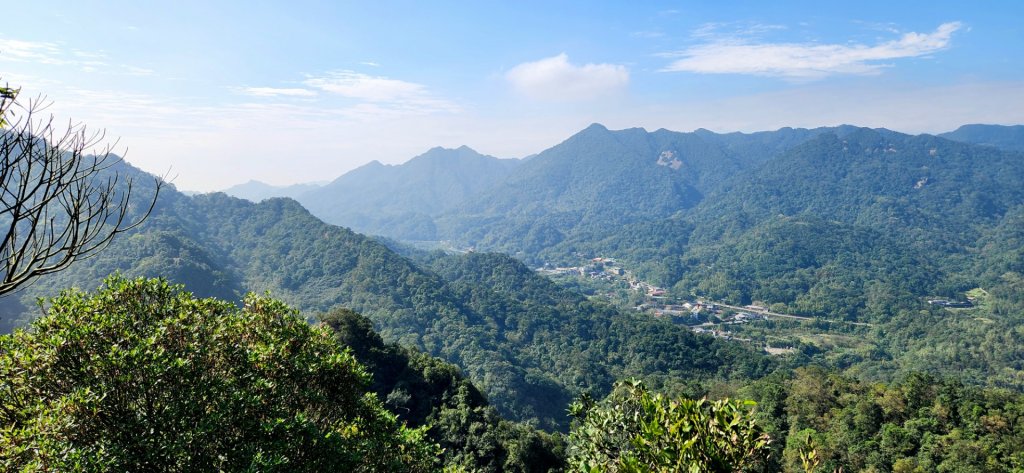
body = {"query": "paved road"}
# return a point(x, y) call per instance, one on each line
point(767, 313)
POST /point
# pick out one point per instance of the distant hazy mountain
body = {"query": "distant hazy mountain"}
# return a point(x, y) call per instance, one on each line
point(400, 201)
point(256, 191)
point(1000, 136)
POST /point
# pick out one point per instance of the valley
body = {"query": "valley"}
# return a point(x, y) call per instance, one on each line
point(603, 279)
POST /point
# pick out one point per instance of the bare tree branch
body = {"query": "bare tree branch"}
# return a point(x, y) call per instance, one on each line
point(60, 198)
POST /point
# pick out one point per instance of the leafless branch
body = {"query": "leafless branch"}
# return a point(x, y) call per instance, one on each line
point(60, 197)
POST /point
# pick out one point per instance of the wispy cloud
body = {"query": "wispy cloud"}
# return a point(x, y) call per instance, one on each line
point(53, 54)
point(648, 34)
point(31, 51)
point(275, 92)
point(738, 30)
point(383, 92)
point(366, 87)
point(738, 55)
point(556, 79)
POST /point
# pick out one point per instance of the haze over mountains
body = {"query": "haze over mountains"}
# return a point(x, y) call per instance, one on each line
point(395, 200)
point(257, 191)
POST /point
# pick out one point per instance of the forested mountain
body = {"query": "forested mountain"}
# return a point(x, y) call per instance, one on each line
point(881, 179)
point(585, 189)
point(911, 207)
point(757, 216)
point(839, 223)
point(531, 345)
point(1010, 138)
point(256, 191)
point(400, 201)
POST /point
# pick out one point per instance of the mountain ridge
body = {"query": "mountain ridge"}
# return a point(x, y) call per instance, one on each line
point(1007, 137)
point(405, 197)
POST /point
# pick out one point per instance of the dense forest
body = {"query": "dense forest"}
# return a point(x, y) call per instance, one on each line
point(89, 389)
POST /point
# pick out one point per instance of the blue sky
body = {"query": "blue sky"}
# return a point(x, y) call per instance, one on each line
point(217, 93)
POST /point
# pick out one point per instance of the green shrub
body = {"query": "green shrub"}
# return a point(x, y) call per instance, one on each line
point(142, 376)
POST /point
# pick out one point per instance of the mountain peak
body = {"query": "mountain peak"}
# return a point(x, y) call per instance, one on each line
point(442, 149)
point(594, 130)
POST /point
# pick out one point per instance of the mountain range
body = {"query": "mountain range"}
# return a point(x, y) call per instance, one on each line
point(530, 344)
point(841, 224)
point(397, 201)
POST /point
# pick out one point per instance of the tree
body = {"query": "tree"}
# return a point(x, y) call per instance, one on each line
point(61, 196)
point(141, 376)
point(635, 431)
point(7, 96)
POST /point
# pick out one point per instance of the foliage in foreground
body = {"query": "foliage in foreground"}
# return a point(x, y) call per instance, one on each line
point(141, 376)
point(919, 424)
point(426, 391)
point(636, 431)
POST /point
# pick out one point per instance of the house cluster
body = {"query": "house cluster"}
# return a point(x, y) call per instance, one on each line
point(951, 304)
point(719, 334)
point(651, 290)
point(743, 317)
point(656, 300)
point(685, 310)
point(597, 268)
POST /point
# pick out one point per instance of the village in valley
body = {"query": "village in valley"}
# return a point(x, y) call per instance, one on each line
point(609, 279)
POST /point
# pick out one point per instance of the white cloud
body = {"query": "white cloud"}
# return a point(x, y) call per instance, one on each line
point(366, 87)
point(205, 143)
point(554, 78)
point(806, 60)
point(383, 95)
point(274, 92)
